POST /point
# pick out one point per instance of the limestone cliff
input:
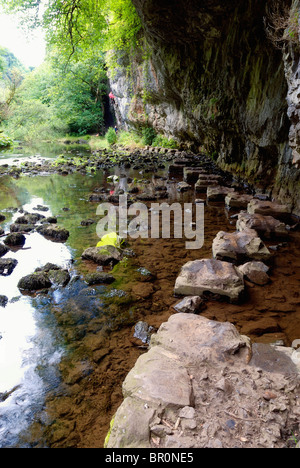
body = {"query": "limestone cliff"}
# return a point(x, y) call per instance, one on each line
point(209, 76)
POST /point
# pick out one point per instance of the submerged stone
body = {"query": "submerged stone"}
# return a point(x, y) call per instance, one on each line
point(217, 193)
point(103, 255)
point(98, 278)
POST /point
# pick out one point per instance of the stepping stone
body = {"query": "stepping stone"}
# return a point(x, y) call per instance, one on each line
point(205, 181)
point(53, 232)
point(218, 193)
point(265, 226)
point(255, 272)
point(191, 174)
point(268, 208)
point(240, 247)
point(210, 275)
point(183, 187)
point(238, 200)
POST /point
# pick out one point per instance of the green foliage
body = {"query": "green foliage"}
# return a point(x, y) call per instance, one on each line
point(55, 99)
point(111, 136)
point(149, 135)
point(5, 141)
point(164, 142)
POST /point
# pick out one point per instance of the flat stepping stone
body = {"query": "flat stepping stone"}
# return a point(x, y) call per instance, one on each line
point(218, 193)
point(210, 275)
point(268, 208)
point(265, 226)
point(240, 247)
point(237, 200)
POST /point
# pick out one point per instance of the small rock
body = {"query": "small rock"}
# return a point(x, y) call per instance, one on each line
point(7, 266)
point(34, 282)
point(188, 412)
point(98, 278)
point(256, 272)
point(53, 232)
point(142, 331)
point(3, 301)
point(190, 305)
point(268, 395)
point(3, 250)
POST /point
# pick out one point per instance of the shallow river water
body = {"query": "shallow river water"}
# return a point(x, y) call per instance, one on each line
point(65, 353)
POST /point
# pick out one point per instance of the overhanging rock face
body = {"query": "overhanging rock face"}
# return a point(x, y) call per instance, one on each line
point(202, 385)
point(213, 79)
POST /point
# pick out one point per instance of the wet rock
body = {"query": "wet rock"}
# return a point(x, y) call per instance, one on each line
point(96, 197)
point(103, 255)
point(87, 222)
point(256, 272)
point(205, 181)
point(3, 301)
point(142, 333)
point(3, 250)
point(29, 218)
point(35, 282)
point(15, 239)
point(191, 174)
point(22, 228)
point(41, 208)
point(268, 208)
point(1, 231)
point(210, 275)
point(265, 226)
point(59, 277)
point(190, 305)
point(7, 266)
point(49, 220)
point(240, 246)
point(98, 278)
point(143, 290)
point(53, 232)
point(183, 187)
point(2, 218)
point(218, 193)
point(237, 201)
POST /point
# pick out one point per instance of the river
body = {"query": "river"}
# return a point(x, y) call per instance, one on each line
point(65, 353)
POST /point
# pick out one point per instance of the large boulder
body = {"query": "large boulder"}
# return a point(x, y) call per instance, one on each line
point(200, 384)
point(268, 208)
point(210, 276)
point(103, 255)
point(239, 247)
point(265, 226)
